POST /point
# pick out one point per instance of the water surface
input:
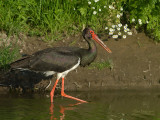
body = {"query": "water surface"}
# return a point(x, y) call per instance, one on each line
point(106, 105)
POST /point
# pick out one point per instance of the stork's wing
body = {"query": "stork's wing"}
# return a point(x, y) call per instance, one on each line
point(54, 61)
point(51, 59)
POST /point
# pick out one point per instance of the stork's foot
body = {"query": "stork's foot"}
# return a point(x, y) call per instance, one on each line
point(68, 96)
point(74, 98)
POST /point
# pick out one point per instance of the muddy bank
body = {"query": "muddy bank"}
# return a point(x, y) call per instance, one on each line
point(136, 62)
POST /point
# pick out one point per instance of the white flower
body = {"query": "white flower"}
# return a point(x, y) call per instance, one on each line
point(147, 21)
point(118, 28)
point(120, 25)
point(104, 6)
point(118, 16)
point(93, 7)
point(111, 7)
point(124, 36)
point(125, 27)
point(106, 28)
point(139, 20)
point(96, 0)
point(121, 9)
point(110, 33)
point(89, 2)
point(125, 30)
point(115, 36)
point(133, 20)
point(129, 33)
point(119, 33)
point(99, 9)
point(94, 12)
point(128, 29)
point(113, 26)
point(140, 23)
point(111, 29)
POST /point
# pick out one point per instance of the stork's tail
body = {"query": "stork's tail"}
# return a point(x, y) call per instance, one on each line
point(20, 63)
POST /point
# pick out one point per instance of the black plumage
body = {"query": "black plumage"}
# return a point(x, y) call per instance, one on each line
point(59, 59)
point(62, 60)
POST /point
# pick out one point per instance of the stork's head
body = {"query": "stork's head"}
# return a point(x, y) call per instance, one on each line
point(89, 34)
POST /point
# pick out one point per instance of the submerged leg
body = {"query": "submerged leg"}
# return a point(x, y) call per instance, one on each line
point(63, 94)
point(53, 89)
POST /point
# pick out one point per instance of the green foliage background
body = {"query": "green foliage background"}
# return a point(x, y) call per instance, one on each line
point(43, 17)
point(146, 10)
point(54, 17)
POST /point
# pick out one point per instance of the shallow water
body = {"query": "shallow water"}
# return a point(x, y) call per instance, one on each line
point(109, 105)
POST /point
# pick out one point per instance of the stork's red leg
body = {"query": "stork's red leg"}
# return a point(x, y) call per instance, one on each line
point(63, 94)
point(52, 91)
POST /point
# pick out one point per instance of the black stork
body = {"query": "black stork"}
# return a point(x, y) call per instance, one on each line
point(61, 60)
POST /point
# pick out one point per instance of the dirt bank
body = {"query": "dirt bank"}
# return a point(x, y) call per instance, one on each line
point(136, 62)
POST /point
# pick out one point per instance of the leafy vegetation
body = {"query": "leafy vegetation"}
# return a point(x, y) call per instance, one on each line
point(146, 11)
point(51, 18)
point(7, 54)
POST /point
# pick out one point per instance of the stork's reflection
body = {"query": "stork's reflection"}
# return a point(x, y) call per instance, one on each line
point(62, 110)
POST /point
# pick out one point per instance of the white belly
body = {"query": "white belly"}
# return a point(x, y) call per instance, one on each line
point(49, 73)
point(62, 74)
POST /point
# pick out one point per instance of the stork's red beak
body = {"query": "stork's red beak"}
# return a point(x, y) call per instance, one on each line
point(99, 41)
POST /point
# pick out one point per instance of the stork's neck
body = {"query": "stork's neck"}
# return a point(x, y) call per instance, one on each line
point(87, 56)
point(92, 46)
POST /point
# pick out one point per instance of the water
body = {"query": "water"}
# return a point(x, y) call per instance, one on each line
point(109, 105)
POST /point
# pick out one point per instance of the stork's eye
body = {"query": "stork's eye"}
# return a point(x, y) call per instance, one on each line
point(91, 32)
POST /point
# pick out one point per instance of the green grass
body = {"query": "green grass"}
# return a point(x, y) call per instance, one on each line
point(7, 55)
point(101, 65)
point(56, 18)
point(50, 18)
